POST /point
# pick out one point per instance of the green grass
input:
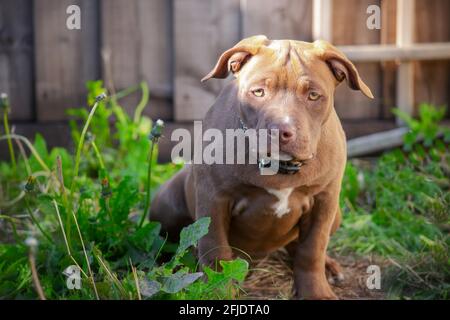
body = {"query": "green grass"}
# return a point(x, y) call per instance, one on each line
point(89, 210)
point(398, 208)
point(88, 207)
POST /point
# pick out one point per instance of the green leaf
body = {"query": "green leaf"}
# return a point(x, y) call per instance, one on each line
point(40, 145)
point(403, 116)
point(124, 197)
point(144, 237)
point(95, 88)
point(41, 148)
point(235, 269)
point(46, 205)
point(179, 280)
point(409, 140)
point(149, 288)
point(350, 184)
point(446, 135)
point(190, 235)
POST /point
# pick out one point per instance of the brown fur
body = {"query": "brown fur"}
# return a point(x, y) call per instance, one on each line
point(235, 196)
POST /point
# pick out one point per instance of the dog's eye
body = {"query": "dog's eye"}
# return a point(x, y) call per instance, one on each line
point(258, 93)
point(313, 96)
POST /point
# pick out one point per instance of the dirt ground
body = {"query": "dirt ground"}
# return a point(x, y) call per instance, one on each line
point(271, 278)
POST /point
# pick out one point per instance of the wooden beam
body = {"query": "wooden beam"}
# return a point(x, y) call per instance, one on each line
point(375, 142)
point(381, 141)
point(405, 74)
point(422, 51)
point(322, 21)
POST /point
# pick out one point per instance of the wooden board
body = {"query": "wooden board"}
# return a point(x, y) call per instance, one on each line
point(389, 68)
point(432, 78)
point(349, 28)
point(203, 30)
point(16, 57)
point(282, 19)
point(64, 59)
point(136, 36)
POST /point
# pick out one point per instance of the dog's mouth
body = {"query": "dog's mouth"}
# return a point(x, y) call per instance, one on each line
point(287, 164)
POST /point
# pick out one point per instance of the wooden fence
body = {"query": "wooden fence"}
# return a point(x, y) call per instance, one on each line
point(172, 44)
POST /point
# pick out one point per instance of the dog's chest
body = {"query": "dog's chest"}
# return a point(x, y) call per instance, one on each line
point(281, 205)
point(277, 203)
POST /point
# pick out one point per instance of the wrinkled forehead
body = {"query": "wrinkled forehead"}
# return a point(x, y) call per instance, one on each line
point(286, 63)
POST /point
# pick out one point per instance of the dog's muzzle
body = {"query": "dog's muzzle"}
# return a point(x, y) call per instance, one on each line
point(284, 166)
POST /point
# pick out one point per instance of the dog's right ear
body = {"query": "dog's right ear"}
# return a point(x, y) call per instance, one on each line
point(233, 59)
point(341, 67)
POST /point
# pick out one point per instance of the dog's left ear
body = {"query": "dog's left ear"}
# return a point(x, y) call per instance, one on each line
point(233, 59)
point(341, 67)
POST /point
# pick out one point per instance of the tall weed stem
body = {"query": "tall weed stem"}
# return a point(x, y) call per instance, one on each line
point(98, 99)
point(155, 134)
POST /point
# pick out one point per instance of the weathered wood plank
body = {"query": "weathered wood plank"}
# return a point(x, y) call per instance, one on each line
point(136, 38)
point(65, 59)
point(417, 51)
point(405, 72)
point(389, 68)
point(16, 56)
point(352, 104)
point(203, 30)
point(282, 19)
point(432, 78)
point(380, 141)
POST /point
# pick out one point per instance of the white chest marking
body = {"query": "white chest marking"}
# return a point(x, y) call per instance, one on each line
point(282, 206)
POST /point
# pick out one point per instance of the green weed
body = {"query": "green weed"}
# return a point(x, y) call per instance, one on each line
point(99, 222)
point(398, 209)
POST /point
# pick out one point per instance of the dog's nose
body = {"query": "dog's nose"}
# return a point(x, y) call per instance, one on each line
point(286, 132)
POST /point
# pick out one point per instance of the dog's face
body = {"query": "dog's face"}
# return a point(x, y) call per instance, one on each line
point(289, 86)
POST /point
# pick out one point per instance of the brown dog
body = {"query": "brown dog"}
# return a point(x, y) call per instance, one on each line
point(286, 85)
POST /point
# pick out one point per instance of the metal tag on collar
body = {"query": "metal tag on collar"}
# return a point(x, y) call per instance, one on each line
point(263, 163)
point(243, 126)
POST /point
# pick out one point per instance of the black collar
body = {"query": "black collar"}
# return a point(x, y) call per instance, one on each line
point(284, 167)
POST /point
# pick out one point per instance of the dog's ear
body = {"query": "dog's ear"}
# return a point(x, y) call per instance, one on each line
point(233, 59)
point(341, 67)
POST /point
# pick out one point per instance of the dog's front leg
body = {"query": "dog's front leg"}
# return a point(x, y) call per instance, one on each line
point(309, 261)
point(214, 246)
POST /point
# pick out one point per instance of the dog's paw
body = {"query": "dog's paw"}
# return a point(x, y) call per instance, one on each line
point(333, 271)
point(313, 287)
